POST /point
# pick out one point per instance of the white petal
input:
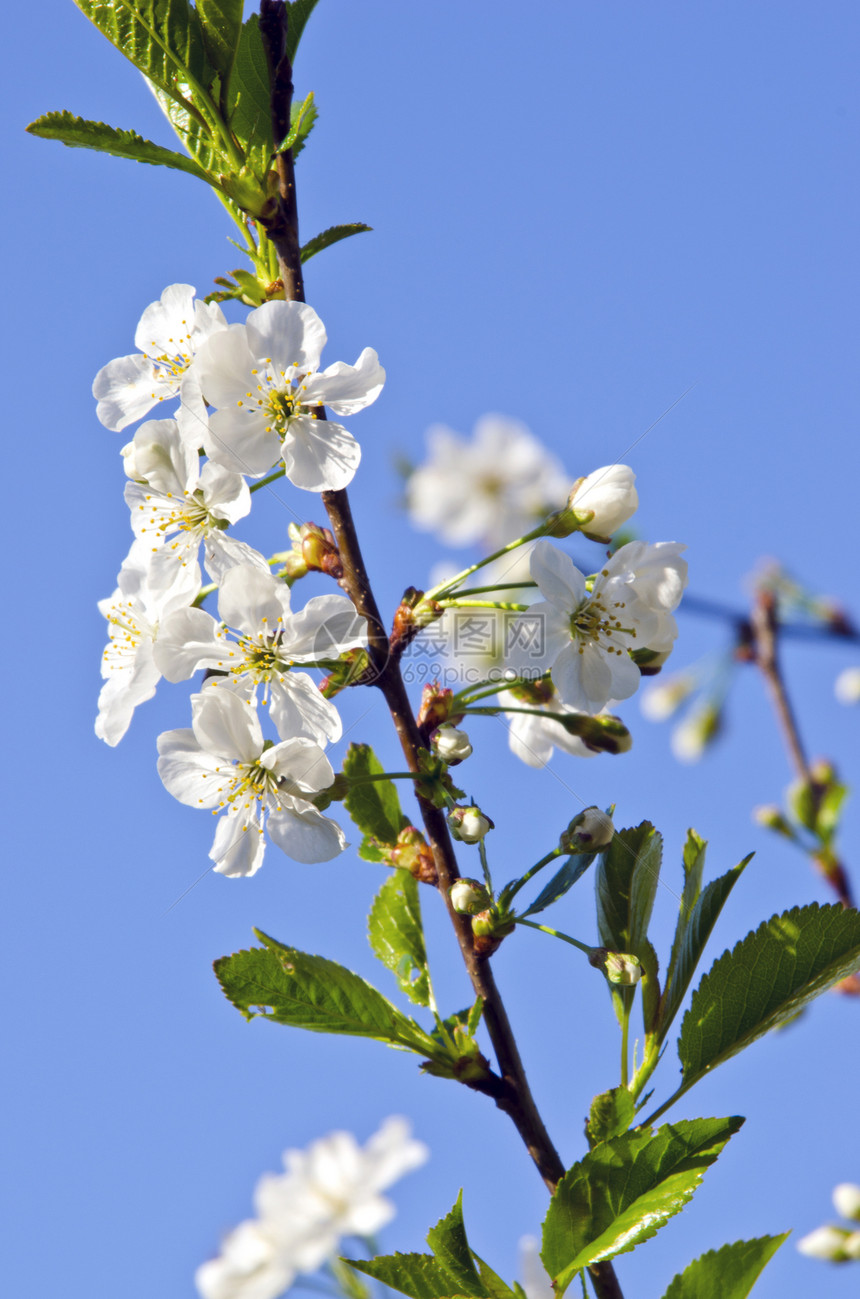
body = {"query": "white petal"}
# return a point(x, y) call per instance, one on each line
point(297, 708)
point(318, 455)
point(391, 1152)
point(239, 440)
point(122, 692)
point(165, 326)
point(163, 459)
point(559, 579)
point(346, 389)
point(189, 773)
point(300, 761)
point(125, 389)
point(253, 601)
point(626, 677)
point(326, 627)
point(223, 367)
point(222, 553)
point(239, 844)
point(226, 725)
point(225, 493)
point(288, 333)
point(188, 640)
point(306, 835)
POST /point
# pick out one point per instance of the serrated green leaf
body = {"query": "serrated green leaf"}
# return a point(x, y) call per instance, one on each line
point(610, 1115)
point(727, 1273)
point(221, 22)
point(695, 930)
point(374, 807)
point(163, 38)
point(493, 1284)
point(193, 134)
point(298, 13)
point(572, 870)
point(333, 235)
point(695, 849)
point(249, 100)
point(416, 1275)
point(303, 118)
point(623, 1190)
point(765, 980)
point(397, 935)
point(370, 850)
point(451, 1249)
point(626, 884)
point(294, 988)
point(78, 133)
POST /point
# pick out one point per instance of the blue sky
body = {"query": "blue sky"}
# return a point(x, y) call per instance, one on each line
point(579, 211)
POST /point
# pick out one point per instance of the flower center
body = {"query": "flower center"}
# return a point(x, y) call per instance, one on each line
point(278, 397)
point(595, 620)
point(126, 629)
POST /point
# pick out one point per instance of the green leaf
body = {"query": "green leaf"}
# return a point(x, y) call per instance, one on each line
point(298, 13)
point(397, 935)
point(249, 98)
point(303, 991)
point(694, 930)
point(163, 38)
point(370, 850)
point(765, 980)
point(333, 235)
point(451, 1249)
point(695, 849)
point(302, 121)
point(416, 1275)
point(829, 810)
point(727, 1273)
point(374, 807)
point(610, 1115)
point(493, 1284)
point(78, 133)
point(195, 135)
point(623, 1190)
point(572, 870)
point(626, 885)
point(221, 21)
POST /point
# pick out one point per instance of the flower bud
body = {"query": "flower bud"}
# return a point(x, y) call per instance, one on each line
point(696, 732)
point(351, 665)
point(771, 818)
point(661, 701)
point(603, 501)
point(468, 824)
point(827, 1243)
point(412, 615)
point(603, 733)
point(435, 709)
point(412, 853)
point(590, 831)
point(619, 967)
point(649, 661)
point(846, 1198)
point(469, 896)
point(451, 745)
point(852, 1245)
point(846, 687)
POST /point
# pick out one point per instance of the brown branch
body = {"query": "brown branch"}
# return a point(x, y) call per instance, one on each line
point(512, 1093)
point(764, 627)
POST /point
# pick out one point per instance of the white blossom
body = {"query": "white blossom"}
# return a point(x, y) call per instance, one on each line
point(661, 700)
point(223, 763)
point(468, 824)
point(587, 634)
point(534, 736)
point(827, 1243)
point(492, 488)
point(328, 1191)
point(846, 1199)
point(170, 332)
point(263, 377)
point(847, 686)
point(604, 500)
point(134, 613)
point(258, 643)
point(175, 504)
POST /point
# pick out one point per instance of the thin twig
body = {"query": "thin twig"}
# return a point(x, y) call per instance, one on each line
point(513, 1094)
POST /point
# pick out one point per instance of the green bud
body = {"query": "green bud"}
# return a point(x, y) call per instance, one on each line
point(469, 896)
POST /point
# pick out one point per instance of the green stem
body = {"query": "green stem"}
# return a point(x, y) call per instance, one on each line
point(270, 478)
point(625, 1045)
point(202, 594)
point(556, 933)
point(498, 586)
point(482, 690)
point(512, 891)
point(481, 604)
point(451, 582)
point(485, 866)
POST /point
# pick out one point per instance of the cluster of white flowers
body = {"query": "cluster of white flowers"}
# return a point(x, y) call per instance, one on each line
point(329, 1191)
point(263, 380)
point(832, 1243)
